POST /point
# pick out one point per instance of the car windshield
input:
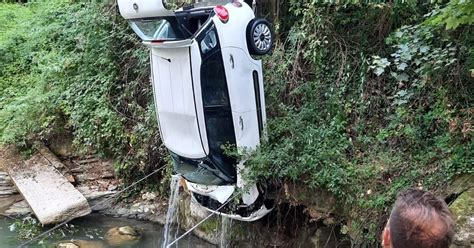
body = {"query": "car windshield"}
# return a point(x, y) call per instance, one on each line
point(157, 29)
point(197, 171)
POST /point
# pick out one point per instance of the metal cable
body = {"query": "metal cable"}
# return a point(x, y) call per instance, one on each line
point(97, 204)
point(202, 221)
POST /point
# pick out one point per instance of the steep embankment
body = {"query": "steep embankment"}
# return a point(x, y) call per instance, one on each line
point(76, 69)
point(366, 100)
point(363, 100)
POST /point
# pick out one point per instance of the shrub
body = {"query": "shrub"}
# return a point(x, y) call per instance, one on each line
point(77, 67)
point(363, 101)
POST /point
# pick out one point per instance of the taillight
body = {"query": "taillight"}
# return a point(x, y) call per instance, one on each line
point(222, 13)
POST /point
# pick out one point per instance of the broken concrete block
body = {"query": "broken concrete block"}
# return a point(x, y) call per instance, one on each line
point(50, 157)
point(50, 195)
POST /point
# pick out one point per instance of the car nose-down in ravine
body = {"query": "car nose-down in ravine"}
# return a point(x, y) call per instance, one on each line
point(208, 90)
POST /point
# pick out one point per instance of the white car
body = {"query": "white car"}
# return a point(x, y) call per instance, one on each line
point(208, 92)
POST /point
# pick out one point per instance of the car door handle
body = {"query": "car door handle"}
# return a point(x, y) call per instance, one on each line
point(241, 123)
point(232, 61)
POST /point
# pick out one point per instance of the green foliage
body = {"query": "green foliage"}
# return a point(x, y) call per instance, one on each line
point(454, 14)
point(365, 101)
point(29, 227)
point(77, 67)
point(417, 59)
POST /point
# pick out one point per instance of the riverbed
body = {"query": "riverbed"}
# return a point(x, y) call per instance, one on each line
point(93, 228)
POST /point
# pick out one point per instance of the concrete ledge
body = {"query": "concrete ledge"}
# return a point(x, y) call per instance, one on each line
point(50, 195)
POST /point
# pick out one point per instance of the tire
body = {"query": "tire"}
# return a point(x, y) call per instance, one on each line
point(259, 37)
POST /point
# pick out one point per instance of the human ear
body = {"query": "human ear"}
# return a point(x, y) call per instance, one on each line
point(386, 241)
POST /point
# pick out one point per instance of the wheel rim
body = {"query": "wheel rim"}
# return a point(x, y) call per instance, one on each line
point(262, 37)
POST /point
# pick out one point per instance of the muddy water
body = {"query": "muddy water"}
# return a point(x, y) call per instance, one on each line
point(94, 227)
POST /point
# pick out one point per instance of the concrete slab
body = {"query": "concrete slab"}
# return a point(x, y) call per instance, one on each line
point(50, 195)
point(50, 157)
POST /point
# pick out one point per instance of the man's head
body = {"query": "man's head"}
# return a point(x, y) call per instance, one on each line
point(418, 220)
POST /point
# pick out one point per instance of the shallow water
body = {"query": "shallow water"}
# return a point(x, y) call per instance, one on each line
point(94, 227)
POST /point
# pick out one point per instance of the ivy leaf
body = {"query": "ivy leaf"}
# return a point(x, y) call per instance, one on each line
point(384, 62)
point(424, 49)
point(402, 93)
point(402, 66)
point(403, 48)
point(379, 71)
point(403, 77)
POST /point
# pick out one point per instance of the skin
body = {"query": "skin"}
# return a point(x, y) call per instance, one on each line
point(386, 241)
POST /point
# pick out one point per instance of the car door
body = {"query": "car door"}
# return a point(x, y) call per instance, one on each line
point(245, 89)
point(175, 105)
point(216, 103)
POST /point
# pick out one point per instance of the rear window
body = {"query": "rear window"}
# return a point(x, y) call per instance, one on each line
point(188, 18)
point(157, 29)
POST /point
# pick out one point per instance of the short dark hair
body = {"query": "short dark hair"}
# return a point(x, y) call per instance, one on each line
point(419, 219)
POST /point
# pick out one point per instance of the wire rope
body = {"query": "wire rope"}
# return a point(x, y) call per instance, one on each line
point(202, 221)
point(37, 237)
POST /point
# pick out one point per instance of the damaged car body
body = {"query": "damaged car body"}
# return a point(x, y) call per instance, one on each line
point(208, 90)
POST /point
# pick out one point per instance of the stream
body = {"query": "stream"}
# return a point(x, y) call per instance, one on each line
point(93, 228)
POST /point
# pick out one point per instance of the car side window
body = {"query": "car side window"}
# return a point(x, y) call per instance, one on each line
point(209, 42)
point(217, 111)
point(216, 103)
point(213, 82)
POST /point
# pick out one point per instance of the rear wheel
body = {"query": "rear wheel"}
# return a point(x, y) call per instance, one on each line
point(259, 37)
